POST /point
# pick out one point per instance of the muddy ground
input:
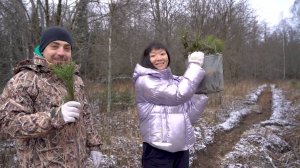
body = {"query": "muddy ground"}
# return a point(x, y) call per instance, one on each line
point(260, 138)
point(215, 148)
point(210, 157)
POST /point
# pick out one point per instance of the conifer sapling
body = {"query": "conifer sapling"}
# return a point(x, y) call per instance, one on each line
point(65, 72)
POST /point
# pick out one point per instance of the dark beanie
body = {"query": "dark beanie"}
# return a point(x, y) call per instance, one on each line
point(52, 34)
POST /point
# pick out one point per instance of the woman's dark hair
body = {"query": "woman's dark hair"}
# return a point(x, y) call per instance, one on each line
point(145, 59)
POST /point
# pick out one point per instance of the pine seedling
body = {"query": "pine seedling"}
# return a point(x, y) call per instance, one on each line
point(65, 72)
point(209, 44)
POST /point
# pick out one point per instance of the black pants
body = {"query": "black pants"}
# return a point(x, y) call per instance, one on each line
point(153, 157)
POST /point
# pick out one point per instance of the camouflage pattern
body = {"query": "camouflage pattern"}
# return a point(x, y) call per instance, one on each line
point(30, 113)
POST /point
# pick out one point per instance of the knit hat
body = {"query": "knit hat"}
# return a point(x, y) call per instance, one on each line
point(52, 34)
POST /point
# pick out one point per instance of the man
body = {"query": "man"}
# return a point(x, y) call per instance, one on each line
point(48, 131)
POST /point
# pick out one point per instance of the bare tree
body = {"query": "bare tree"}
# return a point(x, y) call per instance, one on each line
point(109, 37)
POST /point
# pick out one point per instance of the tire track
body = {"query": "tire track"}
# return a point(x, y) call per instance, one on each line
point(212, 155)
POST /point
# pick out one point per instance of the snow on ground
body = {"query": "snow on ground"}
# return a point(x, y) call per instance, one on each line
point(233, 120)
point(260, 142)
point(282, 112)
point(252, 97)
point(205, 134)
point(236, 116)
point(263, 141)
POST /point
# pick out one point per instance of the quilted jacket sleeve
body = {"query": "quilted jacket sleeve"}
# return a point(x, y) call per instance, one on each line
point(196, 107)
point(170, 93)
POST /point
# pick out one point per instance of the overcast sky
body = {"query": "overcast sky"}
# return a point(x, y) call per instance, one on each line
point(272, 11)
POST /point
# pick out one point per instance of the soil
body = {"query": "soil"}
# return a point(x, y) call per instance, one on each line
point(211, 156)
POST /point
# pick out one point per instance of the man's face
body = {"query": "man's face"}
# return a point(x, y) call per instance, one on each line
point(58, 52)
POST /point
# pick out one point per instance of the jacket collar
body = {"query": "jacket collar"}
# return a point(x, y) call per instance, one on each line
point(141, 71)
point(37, 64)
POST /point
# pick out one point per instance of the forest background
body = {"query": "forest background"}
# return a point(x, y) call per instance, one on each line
point(110, 36)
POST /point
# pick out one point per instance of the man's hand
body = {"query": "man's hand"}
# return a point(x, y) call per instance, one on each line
point(196, 57)
point(70, 111)
point(96, 157)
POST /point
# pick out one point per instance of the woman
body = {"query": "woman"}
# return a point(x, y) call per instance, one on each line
point(167, 107)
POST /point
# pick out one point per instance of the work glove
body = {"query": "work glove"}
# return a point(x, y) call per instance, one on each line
point(70, 111)
point(96, 158)
point(196, 57)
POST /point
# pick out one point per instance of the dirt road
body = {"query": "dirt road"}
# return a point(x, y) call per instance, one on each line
point(224, 141)
point(266, 136)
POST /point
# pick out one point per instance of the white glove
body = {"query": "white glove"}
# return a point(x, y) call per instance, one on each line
point(70, 111)
point(96, 158)
point(196, 57)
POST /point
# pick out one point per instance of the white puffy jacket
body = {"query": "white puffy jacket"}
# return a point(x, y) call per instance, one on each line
point(167, 106)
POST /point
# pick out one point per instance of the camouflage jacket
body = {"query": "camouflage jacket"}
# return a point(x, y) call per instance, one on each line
point(30, 113)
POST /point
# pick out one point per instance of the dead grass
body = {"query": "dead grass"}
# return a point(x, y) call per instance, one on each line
point(232, 92)
point(292, 93)
point(119, 129)
point(121, 125)
point(292, 90)
point(242, 88)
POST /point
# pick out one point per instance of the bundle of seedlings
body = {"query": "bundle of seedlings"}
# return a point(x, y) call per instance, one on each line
point(65, 72)
point(212, 47)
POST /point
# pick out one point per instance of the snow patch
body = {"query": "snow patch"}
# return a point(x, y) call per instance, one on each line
point(252, 97)
point(263, 141)
point(234, 119)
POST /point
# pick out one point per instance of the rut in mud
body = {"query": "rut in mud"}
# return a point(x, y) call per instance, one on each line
point(211, 156)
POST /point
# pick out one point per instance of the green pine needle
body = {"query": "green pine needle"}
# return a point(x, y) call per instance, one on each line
point(65, 72)
point(209, 44)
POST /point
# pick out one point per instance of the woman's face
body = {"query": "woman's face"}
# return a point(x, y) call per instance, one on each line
point(159, 58)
